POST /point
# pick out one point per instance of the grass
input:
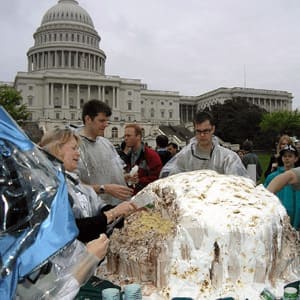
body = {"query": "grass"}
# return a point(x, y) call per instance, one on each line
point(264, 159)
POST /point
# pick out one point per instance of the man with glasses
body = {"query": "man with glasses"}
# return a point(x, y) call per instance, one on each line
point(204, 152)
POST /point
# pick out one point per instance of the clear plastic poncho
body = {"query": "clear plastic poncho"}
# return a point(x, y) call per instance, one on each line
point(221, 160)
point(101, 164)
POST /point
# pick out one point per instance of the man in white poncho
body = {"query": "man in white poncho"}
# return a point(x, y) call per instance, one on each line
point(204, 152)
point(100, 165)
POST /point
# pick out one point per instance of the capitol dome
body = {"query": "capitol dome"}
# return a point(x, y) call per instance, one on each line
point(67, 10)
point(66, 40)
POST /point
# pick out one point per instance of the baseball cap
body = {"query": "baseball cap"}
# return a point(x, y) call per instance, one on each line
point(288, 148)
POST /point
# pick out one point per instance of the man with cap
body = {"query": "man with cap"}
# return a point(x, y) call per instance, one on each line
point(280, 181)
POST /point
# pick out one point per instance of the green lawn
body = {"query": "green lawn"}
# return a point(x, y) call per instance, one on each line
point(264, 159)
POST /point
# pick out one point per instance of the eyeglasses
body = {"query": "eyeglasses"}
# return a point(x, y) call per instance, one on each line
point(204, 131)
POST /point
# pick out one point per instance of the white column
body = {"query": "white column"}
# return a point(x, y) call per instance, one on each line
point(99, 92)
point(46, 92)
point(51, 96)
point(34, 61)
point(76, 60)
point(43, 60)
point(56, 59)
point(117, 97)
point(114, 97)
point(89, 93)
point(63, 58)
point(78, 96)
point(63, 95)
point(67, 95)
point(103, 93)
point(29, 64)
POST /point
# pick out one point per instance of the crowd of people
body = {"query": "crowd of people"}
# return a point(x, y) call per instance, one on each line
point(102, 180)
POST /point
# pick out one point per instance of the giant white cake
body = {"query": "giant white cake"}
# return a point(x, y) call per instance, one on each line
point(207, 236)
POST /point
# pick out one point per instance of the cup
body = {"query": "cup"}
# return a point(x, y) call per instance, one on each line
point(111, 294)
point(132, 292)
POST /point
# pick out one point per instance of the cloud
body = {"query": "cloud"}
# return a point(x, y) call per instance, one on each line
point(187, 46)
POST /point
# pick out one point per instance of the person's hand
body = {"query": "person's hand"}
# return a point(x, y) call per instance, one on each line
point(119, 191)
point(125, 209)
point(99, 246)
point(131, 179)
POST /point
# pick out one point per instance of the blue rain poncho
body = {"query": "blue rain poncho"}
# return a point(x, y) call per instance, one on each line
point(36, 220)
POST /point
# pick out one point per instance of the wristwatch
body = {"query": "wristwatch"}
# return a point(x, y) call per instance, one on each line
point(101, 189)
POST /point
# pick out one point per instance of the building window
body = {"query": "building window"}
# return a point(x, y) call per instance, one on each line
point(81, 103)
point(143, 112)
point(71, 103)
point(162, 113)
point(30, 100)
point(142, 102)
point(162, 103)
point(170, 114)
point(56, 102)
point(129, 105)
point(171, 103)
point(57, 116)
point(129, 93)
point(143, 132)
point(114, 132)
point(30, 88)
point(72, 116)
point(152, 113)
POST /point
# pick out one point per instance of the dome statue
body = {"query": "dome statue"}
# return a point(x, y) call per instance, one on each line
point(66, 40)
point(67, 10)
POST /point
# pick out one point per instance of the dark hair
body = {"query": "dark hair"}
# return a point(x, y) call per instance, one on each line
point(247, 145)
point(162, 141)
point(174, 145)
point(93, 107)
point(123, 145)
point(202, 116)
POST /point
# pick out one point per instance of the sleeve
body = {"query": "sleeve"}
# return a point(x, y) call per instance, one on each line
point(176, 164)
point(234, 165)
point(297, 172)
point(154, 167)
point(90, 228)
point(71, 268)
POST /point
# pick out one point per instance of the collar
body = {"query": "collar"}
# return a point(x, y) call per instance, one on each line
point(73, 177)
point(83, 135)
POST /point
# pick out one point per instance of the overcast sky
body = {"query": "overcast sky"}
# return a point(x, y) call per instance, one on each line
point(191, 46)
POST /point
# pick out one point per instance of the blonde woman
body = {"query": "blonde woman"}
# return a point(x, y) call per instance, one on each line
point(91, 213)
point(275, 159)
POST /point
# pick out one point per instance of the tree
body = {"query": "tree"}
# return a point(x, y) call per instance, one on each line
point(11, 99)
point(281, 122)
point(238, 120)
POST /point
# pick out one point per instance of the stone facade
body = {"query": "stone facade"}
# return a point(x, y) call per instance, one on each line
point(66, 68)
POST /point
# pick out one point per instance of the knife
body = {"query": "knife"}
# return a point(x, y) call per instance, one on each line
point(143, 198)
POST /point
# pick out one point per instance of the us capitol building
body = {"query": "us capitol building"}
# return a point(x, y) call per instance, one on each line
point(66, 68)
